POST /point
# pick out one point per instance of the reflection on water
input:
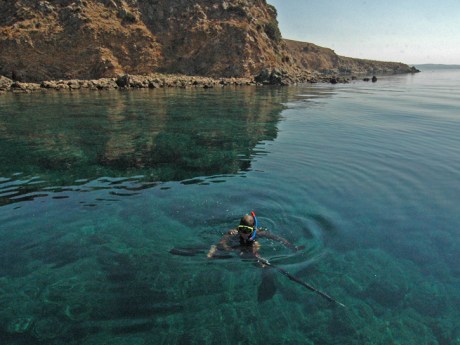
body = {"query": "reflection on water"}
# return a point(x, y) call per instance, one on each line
point(171, 135)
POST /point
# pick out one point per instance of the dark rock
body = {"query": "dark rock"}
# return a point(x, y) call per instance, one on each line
point(366, 79)
point(374, 79)
point(154, 85)
point(276, 77)
point(17, 76)
point(333, 80)
point(123, 81)
point(263, 76)
point(273, 77)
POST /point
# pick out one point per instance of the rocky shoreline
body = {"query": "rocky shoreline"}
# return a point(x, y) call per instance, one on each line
point(156, 81)
point(126, 81)
point(115, 44)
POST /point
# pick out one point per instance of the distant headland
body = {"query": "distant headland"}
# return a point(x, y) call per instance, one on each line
point(431, 66)
point(229, 41)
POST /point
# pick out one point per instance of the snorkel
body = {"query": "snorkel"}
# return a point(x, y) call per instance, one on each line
point(256, 224)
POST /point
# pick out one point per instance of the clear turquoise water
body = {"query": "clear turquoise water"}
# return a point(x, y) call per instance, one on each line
point(97, 188)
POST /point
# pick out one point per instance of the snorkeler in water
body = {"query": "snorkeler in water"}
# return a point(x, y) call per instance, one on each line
point(244, 238)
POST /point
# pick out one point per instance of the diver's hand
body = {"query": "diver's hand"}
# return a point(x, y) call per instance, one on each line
point(212, 251)
point(233, 232)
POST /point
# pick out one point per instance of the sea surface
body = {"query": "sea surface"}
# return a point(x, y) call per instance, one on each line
point(109, 202)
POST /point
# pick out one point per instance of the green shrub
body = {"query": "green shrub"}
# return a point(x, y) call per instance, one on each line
point(272, 31)
point(272, 9)
point(237, 11)
point(127, 17)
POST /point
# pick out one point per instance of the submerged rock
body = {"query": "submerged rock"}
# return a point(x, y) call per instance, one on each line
point(386, 293)
point(49, 328)
point(78, 311)
point(20, 325)
point(267, 288)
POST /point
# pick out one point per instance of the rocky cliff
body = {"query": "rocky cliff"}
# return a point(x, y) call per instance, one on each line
point(324, 60)
point(88, 39)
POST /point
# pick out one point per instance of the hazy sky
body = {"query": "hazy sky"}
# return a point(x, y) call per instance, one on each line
point(409, 31)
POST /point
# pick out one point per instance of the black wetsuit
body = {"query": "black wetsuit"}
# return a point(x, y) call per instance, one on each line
point(247, 243)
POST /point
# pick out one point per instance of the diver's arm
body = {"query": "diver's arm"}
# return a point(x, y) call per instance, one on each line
point(269, 235)
point(225, 240)
point(223, 243)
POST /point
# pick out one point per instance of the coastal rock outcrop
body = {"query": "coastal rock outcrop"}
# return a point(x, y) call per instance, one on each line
point(273, 77)
point(325, 61)
point(90, 39)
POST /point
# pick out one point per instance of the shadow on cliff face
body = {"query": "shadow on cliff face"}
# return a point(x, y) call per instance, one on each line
point(155, 136)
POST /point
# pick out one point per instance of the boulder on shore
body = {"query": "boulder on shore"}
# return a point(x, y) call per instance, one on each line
point(273, 77)
point(5, 83)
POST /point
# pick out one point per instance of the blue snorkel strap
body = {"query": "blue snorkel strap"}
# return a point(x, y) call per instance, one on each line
point(256, 224)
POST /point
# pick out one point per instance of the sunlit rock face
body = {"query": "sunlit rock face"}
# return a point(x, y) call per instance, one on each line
point(102, 38)
point(89, 39)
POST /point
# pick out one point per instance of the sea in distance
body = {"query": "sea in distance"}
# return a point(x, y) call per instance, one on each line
point(109, 202)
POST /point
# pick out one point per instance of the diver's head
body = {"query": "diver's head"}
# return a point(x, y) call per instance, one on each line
point(247, 220)
point(246, 224)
